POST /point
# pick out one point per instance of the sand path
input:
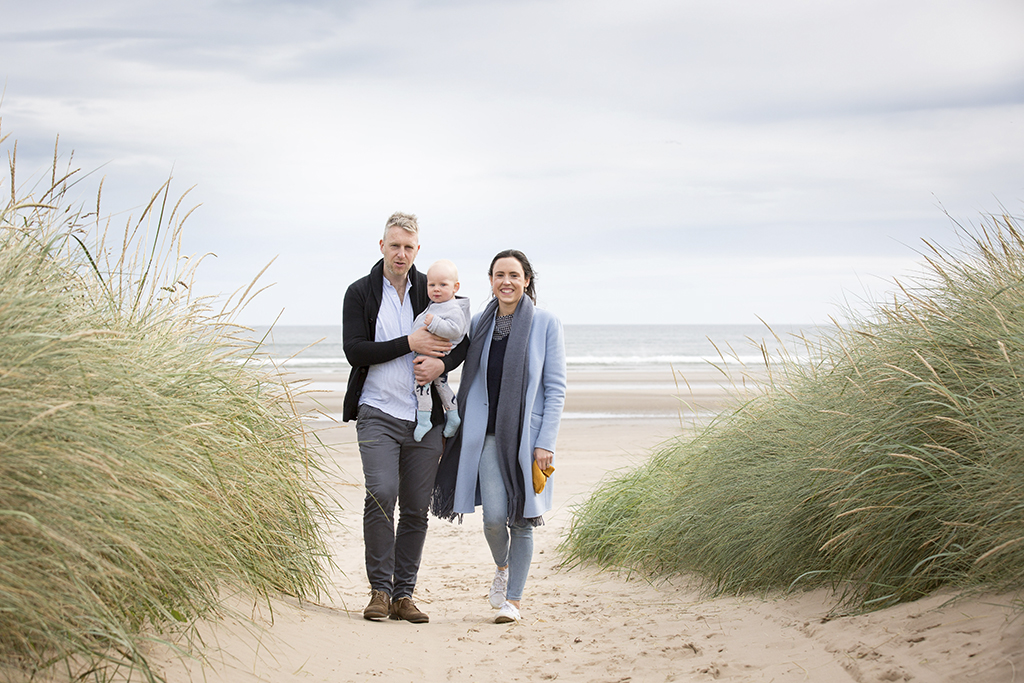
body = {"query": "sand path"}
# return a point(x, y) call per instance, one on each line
point(584, 625)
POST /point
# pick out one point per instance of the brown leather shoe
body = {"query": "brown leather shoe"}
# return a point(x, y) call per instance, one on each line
point(405, 608)
point(380, 605)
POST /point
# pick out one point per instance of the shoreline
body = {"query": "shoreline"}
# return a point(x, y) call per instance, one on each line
point(619, 393)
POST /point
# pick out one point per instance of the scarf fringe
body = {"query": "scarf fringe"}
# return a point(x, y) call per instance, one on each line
point(533, 521)
point(442, 504)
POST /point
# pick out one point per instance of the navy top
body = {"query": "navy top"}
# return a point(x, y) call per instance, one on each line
point(495, 363)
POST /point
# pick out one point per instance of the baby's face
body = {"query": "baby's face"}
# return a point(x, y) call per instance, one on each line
point(441, 288)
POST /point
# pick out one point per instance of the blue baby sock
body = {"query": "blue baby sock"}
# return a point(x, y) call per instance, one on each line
point(451, 422)
point(422, 424)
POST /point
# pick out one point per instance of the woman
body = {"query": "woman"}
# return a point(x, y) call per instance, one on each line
point(510, 400)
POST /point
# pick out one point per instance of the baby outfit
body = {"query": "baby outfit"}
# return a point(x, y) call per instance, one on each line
point(451, 321)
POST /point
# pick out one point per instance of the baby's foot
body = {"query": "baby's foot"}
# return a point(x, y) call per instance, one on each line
point(422, 424)
point(451, 422)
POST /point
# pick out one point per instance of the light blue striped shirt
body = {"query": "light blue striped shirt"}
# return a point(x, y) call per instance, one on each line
point(390, 386)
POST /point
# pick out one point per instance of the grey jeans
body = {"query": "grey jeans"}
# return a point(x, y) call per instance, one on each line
point(397, 468)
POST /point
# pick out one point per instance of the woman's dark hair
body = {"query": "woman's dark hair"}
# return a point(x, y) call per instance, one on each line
point(531, 290)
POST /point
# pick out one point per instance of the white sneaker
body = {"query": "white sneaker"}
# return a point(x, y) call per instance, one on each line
point(508, 614)
point(498, 588)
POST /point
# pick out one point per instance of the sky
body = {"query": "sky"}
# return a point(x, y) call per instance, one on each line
point(659, 161)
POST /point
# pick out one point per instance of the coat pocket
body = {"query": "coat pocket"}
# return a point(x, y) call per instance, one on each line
point(536, 421)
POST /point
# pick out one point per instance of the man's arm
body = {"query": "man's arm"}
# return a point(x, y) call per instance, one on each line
point(360, 349)
point(423, 343)
point(458, 354)
point(428, 369)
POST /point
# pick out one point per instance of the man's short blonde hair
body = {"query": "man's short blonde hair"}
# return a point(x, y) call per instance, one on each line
point(405, 221)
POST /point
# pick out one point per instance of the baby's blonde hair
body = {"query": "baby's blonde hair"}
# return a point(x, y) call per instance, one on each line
point(447, 269)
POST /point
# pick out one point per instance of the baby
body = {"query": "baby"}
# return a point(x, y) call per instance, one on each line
point(446, 316)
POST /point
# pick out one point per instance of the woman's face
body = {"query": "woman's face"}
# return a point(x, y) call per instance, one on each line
point(508, 282)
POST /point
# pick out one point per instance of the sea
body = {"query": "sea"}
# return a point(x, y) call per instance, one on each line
point(317, 348)
point(618, 353)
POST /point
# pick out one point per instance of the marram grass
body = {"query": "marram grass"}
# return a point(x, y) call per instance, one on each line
point(145, 466)
point(890, 465)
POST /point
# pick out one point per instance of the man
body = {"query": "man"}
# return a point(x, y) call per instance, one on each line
point(388, 359)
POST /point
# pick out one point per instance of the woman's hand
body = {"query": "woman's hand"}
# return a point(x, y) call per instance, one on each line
point(423, 343)
point(543, 457)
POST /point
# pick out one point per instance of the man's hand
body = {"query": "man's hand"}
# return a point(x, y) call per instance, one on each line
point(423, 343)
point(542, 456)
point(427, 369)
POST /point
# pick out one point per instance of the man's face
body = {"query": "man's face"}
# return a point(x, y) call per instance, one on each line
point(399, 248)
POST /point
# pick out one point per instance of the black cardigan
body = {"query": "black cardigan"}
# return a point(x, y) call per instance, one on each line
point(359, 325)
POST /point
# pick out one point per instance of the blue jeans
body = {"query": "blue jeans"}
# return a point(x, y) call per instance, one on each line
point(512, 546)
point(397, 469)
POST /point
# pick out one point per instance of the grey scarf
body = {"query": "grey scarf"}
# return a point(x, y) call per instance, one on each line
point(508, 426)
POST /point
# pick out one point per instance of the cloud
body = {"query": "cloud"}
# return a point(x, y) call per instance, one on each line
point(582, 132)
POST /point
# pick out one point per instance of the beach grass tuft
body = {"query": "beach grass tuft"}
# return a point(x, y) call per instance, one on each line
point(887, 466)
point(150, 463)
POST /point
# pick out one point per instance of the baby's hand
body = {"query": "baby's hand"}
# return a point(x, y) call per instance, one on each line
point(428, 318)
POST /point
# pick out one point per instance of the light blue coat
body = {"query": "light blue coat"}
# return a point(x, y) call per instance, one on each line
point(545, 396)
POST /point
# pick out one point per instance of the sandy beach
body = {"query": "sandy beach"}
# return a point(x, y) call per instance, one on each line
point(581, 624)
